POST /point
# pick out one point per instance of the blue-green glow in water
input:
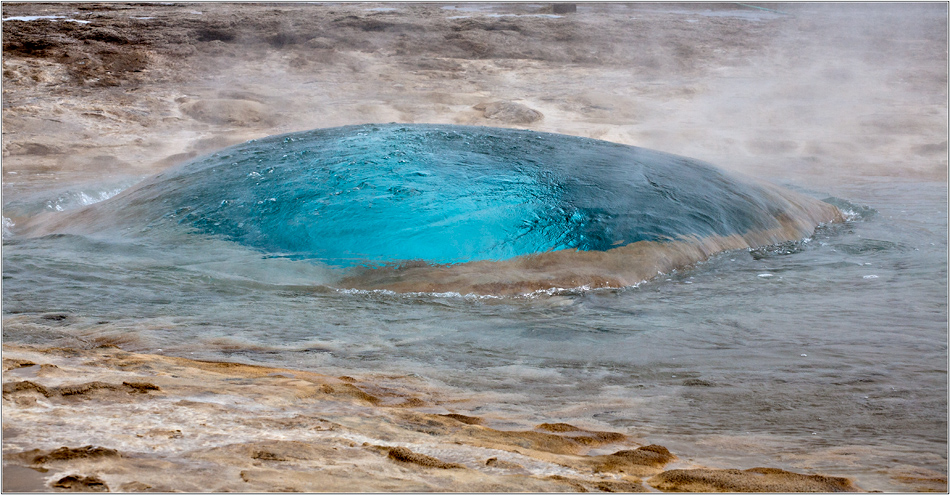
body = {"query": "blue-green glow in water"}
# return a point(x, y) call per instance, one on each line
point(374, 194)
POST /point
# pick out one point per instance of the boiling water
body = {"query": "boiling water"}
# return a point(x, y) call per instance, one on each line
point(827, 353)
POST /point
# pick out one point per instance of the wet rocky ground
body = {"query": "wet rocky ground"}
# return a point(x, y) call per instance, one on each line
point(233, 427)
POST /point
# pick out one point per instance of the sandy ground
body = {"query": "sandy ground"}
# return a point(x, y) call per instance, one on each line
point(812, 96)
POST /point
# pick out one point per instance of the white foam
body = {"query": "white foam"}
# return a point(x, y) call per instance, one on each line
point(33, 17)
point(445, 295)
point(88, 199)
point(28, 18)
point(71, 199)
point(7, 227)
point(849, 214)
point(552, 292)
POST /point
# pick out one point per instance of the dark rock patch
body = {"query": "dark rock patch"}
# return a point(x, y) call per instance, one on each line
point(78, 483)
point(750, 480)
point(403, 454)
point(632, 461)
point(469, 420)
point(68, 453)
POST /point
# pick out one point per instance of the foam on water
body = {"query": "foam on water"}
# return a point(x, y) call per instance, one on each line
point(76, 196)
point(54, 18)
point(27, 18)
point(7, 227)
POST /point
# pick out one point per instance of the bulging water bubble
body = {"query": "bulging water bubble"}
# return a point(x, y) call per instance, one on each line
point(403, 196)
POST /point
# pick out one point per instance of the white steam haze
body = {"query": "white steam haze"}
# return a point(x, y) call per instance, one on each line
point(803, 93)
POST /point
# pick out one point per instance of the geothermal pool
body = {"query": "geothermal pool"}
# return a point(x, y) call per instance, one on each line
point(414, 206)
point(793, 346)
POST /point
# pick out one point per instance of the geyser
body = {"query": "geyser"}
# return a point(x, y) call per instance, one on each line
point(385, 198)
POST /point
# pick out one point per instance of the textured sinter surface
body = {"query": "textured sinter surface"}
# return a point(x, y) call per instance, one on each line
point(382, 194)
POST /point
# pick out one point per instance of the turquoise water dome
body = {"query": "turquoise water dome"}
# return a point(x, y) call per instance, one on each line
point(371, 195)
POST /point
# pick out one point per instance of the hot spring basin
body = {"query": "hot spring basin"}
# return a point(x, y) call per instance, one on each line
point(470, 209)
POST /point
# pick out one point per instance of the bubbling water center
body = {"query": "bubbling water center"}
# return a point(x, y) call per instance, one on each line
point(414, 207)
